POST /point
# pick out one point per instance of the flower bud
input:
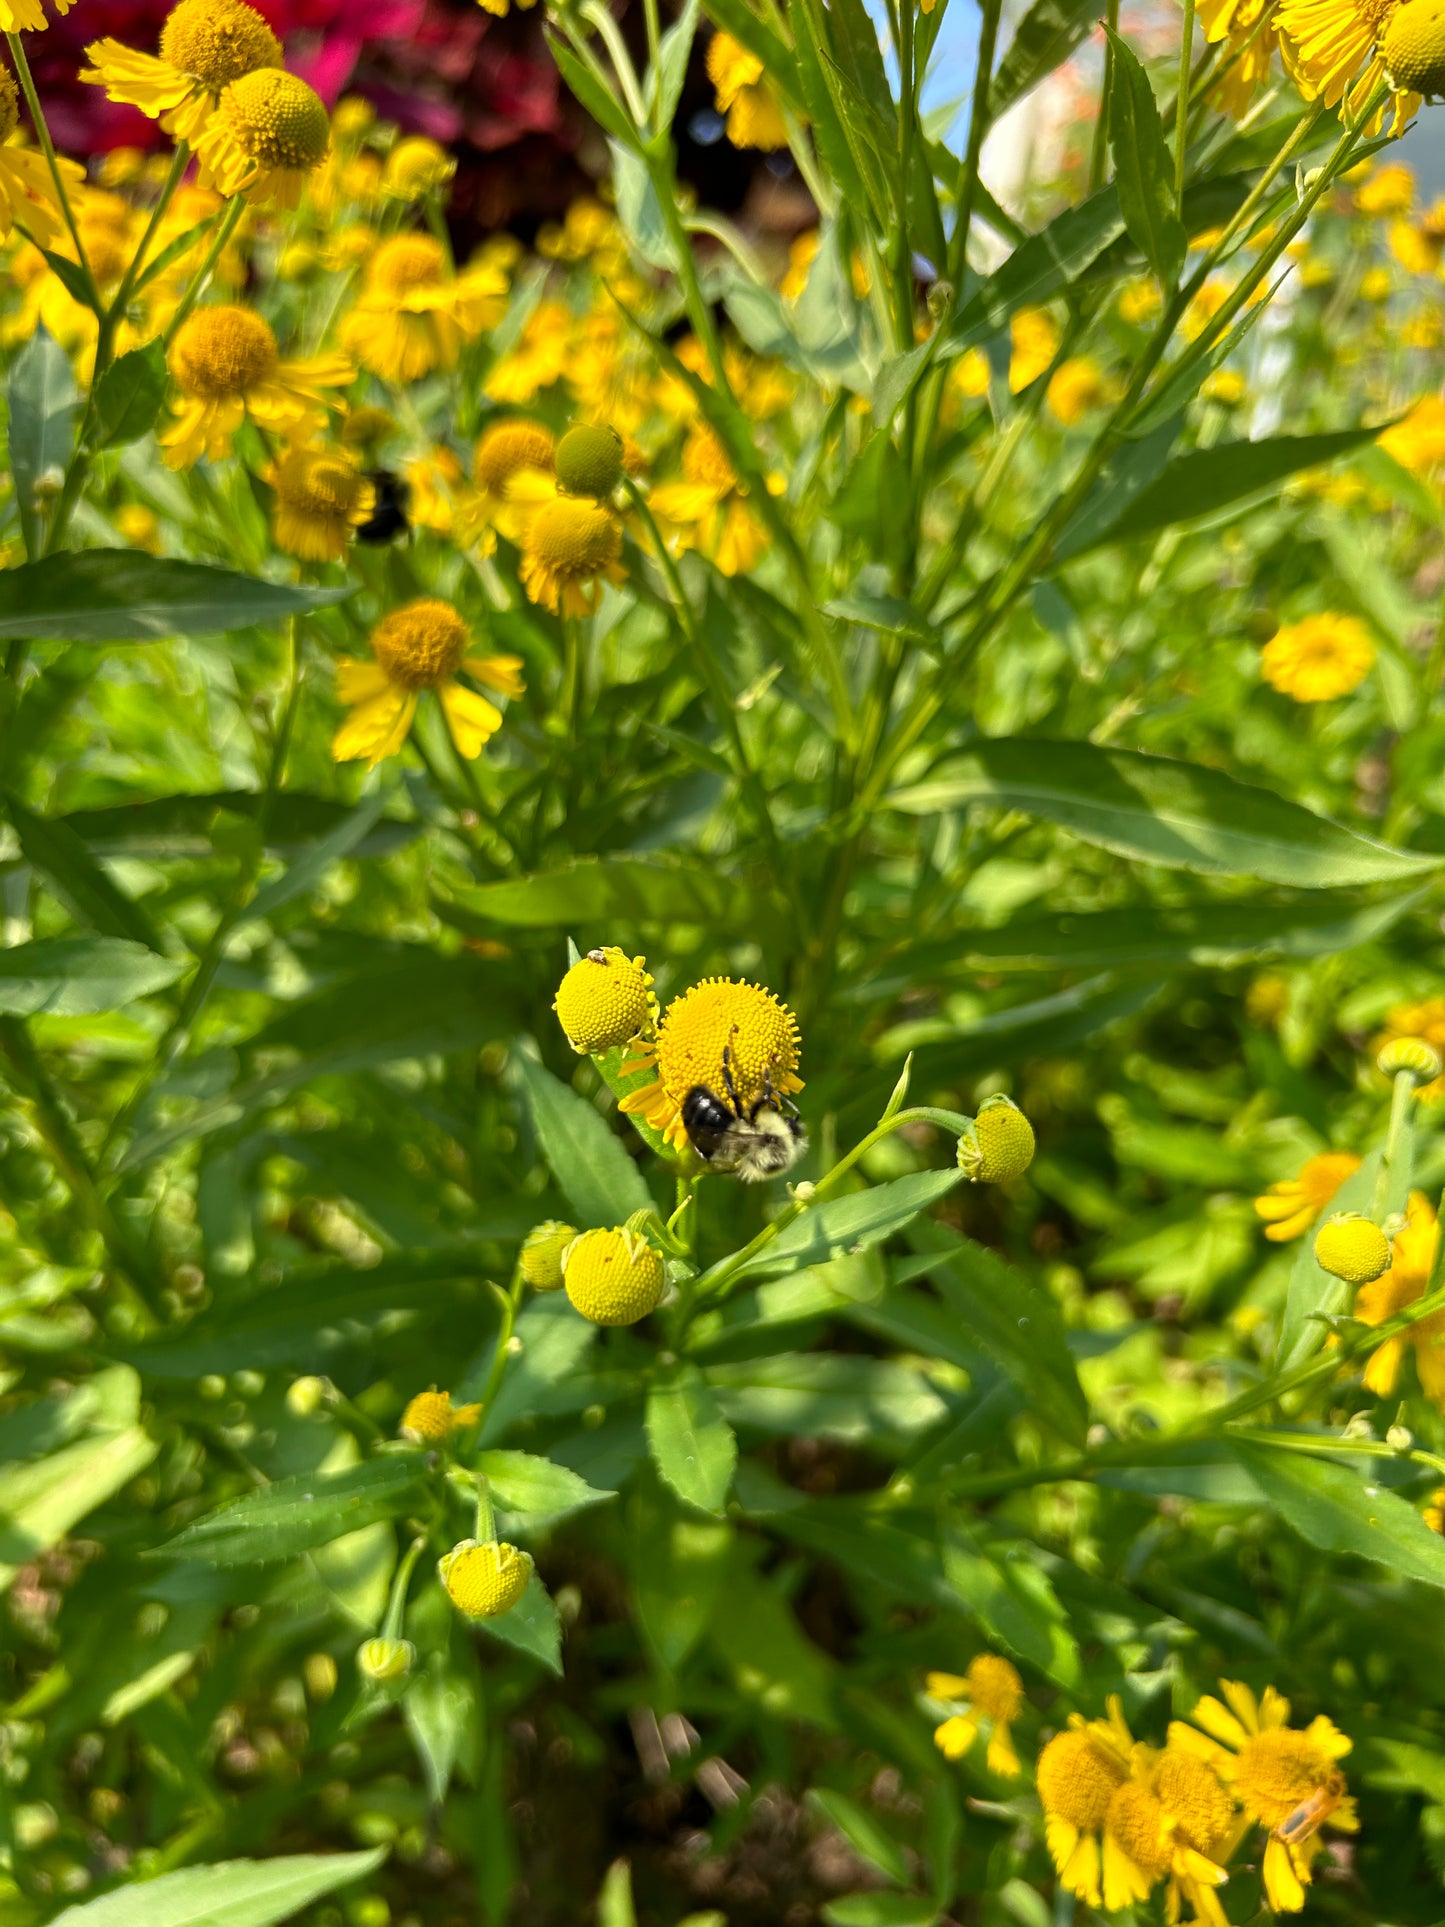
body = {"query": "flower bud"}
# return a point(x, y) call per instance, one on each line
point(384, 1660)
point(431, 1418)
point(305, 1396)
point(540, 1262)
point(1352, 1247)
point(589, 460)
point(613, 1277)
point(1000, 1146)
point(484, 1580)
point(603, 1000)
point(1410, 1054)
point(1399, 1438)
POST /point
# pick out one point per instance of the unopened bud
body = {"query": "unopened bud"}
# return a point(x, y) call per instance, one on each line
point(305, 1396)
point(1399, 1438)
point(1411, 1054)
point(382, 1660)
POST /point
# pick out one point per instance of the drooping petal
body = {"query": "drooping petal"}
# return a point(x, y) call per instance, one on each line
point(360, 682)
point(470, 718)
point(375, 729)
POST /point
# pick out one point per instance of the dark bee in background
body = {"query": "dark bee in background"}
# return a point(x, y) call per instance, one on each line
point(751, 1142)
point(388, 518)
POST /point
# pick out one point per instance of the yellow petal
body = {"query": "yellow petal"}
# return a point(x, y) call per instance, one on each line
point(497, 672)
point(360, 682)
point(1282, 1883)
point(376, 728)
point(1219, 1722)
point(470, 718)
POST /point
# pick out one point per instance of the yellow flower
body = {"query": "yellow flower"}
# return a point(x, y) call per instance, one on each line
point(568, 545)
point(27, 193)
point(484, 1580)
point(417, 647)
point(543, 1248)
point(514, 468)
point(1078, 1774)
point(1000, 1146)
point(431, 1418)
point(501, 8)
point(1318, 659)
point(1412, 1260)
point(1141, 301)
point(1078, 385)
point(28, 16)
point(604, 1000)
point(1199, 1816)
point(1249, 28)
point(1434, 1513)
point(416, 167)
point(320, 498)
point(1224, 385)
point(993, 1691)
point(268, 133)
point(540, 357)
point(754, 115)
point(139, 525)
point(1285, 1779)
point(227, 366)
point(1417, 442)
point(708, 510)
point(1034, 335)
point(1332, 49)
point(734, 1039)
point(613, 1277)
point(414, 312)
point(1290, 1207)
point(1425, 1021)
point(1389, 189)
point(1412, 47)
point(204, 46)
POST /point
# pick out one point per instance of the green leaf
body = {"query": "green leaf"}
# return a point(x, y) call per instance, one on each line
point(1132, 472)
point(598, 1179)
point(122, 595)
point(776, 1669)
point(1007, 1591)
point(614, 1903)
point(77, 283)
point(42, 398)
point(536, 1489)
point(1208, 480)
point(823, 1394)
point(638, 208)
point(306, 873)
point(442, 1715)
point(1011, 1321)
point(1045, 264)
point(608, 891)
point(1335, 1509)
point(232, 1893)
point(73, 873)
point(676, 1564)
point(852, 1223)
point(1143, 166)
point(673, 54)
point(600, 104)
point(129, 394)
point(41, 1503)
point(75, 976)
point(1157, 810)
point(532, 1627)
point(880, 1910)
point(865, 1834)
point(1043, 40)
point(691, 1443)
point(298, 1514)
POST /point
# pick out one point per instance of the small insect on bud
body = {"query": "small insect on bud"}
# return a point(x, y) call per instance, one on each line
point(305, 1396)
point(540, 1261)
point(1000, 1145)
point(484, 1580)
point(384, 1660)
point(1352, 1247)
point(604, 1000)
point(1411, 1054)
point(589, 460)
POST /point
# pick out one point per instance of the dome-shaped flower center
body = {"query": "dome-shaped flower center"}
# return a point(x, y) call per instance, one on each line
point(277, 119)
point(1193, 1798)
point(406, 263)
point(106, 249)
point(1077, 1780)
point(603, 1000)
point(994, 1687)
point(758, 1034)
point(216, 41)
point(1413, 46)
point(1136, 1820)
point(9, 106)
point(574, 537)
point(320, 485)
point(705, 462)
point(220, 352)
point(420, 646)
point(508, 448)
point(1277, 1771)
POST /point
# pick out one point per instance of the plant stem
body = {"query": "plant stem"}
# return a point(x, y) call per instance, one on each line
point(1181, 105)
point(966, 193)
point(47, 148)
point(230, 220)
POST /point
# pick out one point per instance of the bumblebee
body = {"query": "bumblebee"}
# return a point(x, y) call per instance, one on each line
point(388, 518)
point(752, 1142)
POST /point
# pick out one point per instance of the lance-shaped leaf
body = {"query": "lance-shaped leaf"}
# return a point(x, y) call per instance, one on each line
point(1143, 168)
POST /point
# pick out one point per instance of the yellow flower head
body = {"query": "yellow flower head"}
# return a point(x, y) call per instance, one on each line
point(754, 116)
point(416, 167)
point(540, 1260)
point(1424, 1023)
point(1249, 28)
point(1286, 1779)
point(268, 133)
point(27, 191)
point(1034, 335)
point(414, 314)
point(484, 1580)
point(1290, 1207)
point(1078, 385)
point(589, 460)
point(204, 46)
point(431, 1418)
point(1001, 1146)
point(1315, 660)
point(1352, 1247)
point(1078, 1774)
point(612, 1277)
point(1417, 441)
point(1412, 1261)
point(993, 1690)
point(366, 427)
point(604, 1000)
point(509, 449)
point(27, 16)
point(1387, 190)
point(139, 525)
point(1332, 49)
point(734, 1039)
point(383, 1660)
point(418, 647)
point(321, 498)
point(1412, 1054)
point(708, 509)
point(568, 545)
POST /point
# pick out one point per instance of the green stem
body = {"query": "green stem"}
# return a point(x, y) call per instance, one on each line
point(1181, 105)
point(396, 1605)
point(116, 312)
point(235, 208)
point(1392, 1184)
point(967, 191)
point(47, 148)
point(486, 1527)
